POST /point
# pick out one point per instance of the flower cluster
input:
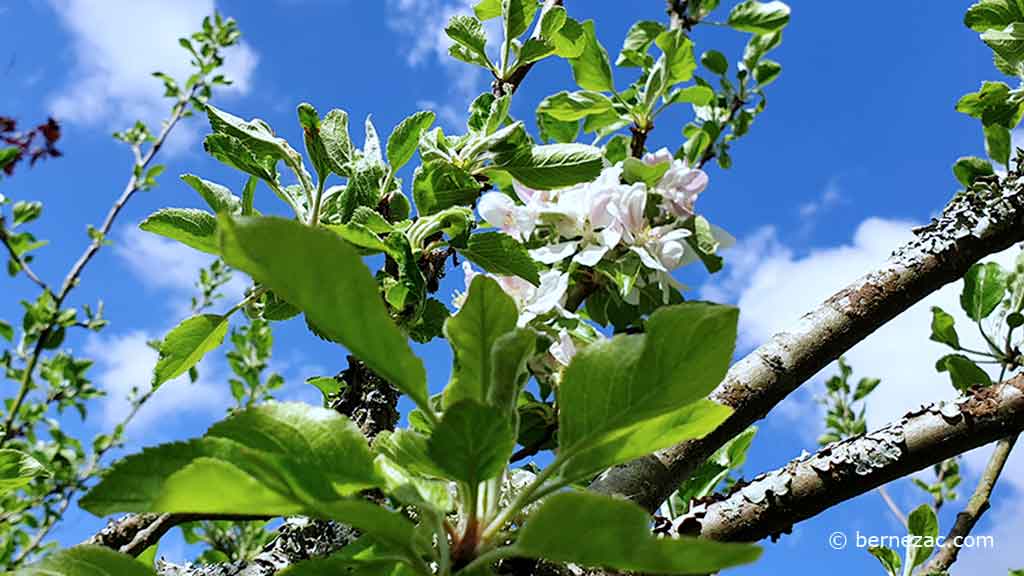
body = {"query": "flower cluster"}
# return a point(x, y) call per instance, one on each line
point(600, 224)
point(588, 223)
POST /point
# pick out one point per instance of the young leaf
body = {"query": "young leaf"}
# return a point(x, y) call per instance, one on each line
point(193, 228)
point(889, 558)
point(509, 356)
point(963, 372)
point(759, 17)
point(944, 328)
point(487, 9)
point(438, 185)
point(487, 314)
point(570, 106)
point(992, 14)
point(922, 523)
point(1007, 43)
point(969, 168)
point(552, 165)
point(18, 469)
point(406, 136)
point(470, 40)
point(518, 16)
point(186, 345)
point(342, 299)
point(679, 59)
point(699, 95)
point(997, 143)
point(766, 72)
point(501, 254)
point(635, 170)
point(638, 41)
point(86, 561)
point(984, 287)
point(473, 441)
point(592, 68)
point(715, 61)
point(337, 142)
point(618, 536)
point(218, 198)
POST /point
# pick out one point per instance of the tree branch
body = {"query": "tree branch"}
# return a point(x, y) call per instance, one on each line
point(970, 228)
point(770, 504)
point(976, 506)
point(509, 86)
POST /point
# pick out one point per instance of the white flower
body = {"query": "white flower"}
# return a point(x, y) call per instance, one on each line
point(581, 214)
point(659, 157)
point(680, 187)
point(564, 349)
point(660, 248)
point(532, 301)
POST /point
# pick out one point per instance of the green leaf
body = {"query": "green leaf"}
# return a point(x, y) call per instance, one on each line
point(963, 372)
point(509, 356)
point(715, 61)
point(406, 136)
point(759, 17)
point(438, 185)
point(469, 35)
point(984, 287)
point(8, 155)
point(342, 300)
point(487, 9)
point(232, 152)
point(992, 14)
point(994, 103)
point(865, 387)
point(518, 16)
point(410, 448)
point(218, 198)
point(997, 143)
point(193, 228)
point(889, 558)
point(570, 41)
point(552, 165)
point(766, 72)
point(618, 535)
point(18, 469)
point(570, 106)
point(86, 561)
point(693, 420)
point(635, 170)
point(487, 314)
point(327, 386)
point(592, 68)
point(552, 21)
point(187, 343)
point(473, 441)
point(922, 523)
point(337, 141)
point(6, 331)
point(277, 459)
point(638, 41)
point(499, 253)
point(969, 168)
point(1007, 43)
point(679, 59)
point(699, 95)
point(309, 119)
point(944, 329)
point(612, 385)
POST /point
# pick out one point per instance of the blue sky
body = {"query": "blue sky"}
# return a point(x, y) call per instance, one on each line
point(856, 144)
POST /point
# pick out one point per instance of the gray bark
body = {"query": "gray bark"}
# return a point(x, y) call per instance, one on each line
point(770, 504)
point(970, 228)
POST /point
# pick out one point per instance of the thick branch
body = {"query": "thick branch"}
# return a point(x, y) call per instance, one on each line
point(969, 229)
point(976, 506)
point(770, 504)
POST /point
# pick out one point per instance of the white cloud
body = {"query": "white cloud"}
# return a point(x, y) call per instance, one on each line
point(422, 23)
point(811, 211)
point(118, 44)
point(774, 287)
point(169, 266)
point(126, 362)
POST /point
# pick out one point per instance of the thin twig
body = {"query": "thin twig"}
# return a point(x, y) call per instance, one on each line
point(22, 264)
point(892, 505)
point(976, 506)
point(71, 280)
